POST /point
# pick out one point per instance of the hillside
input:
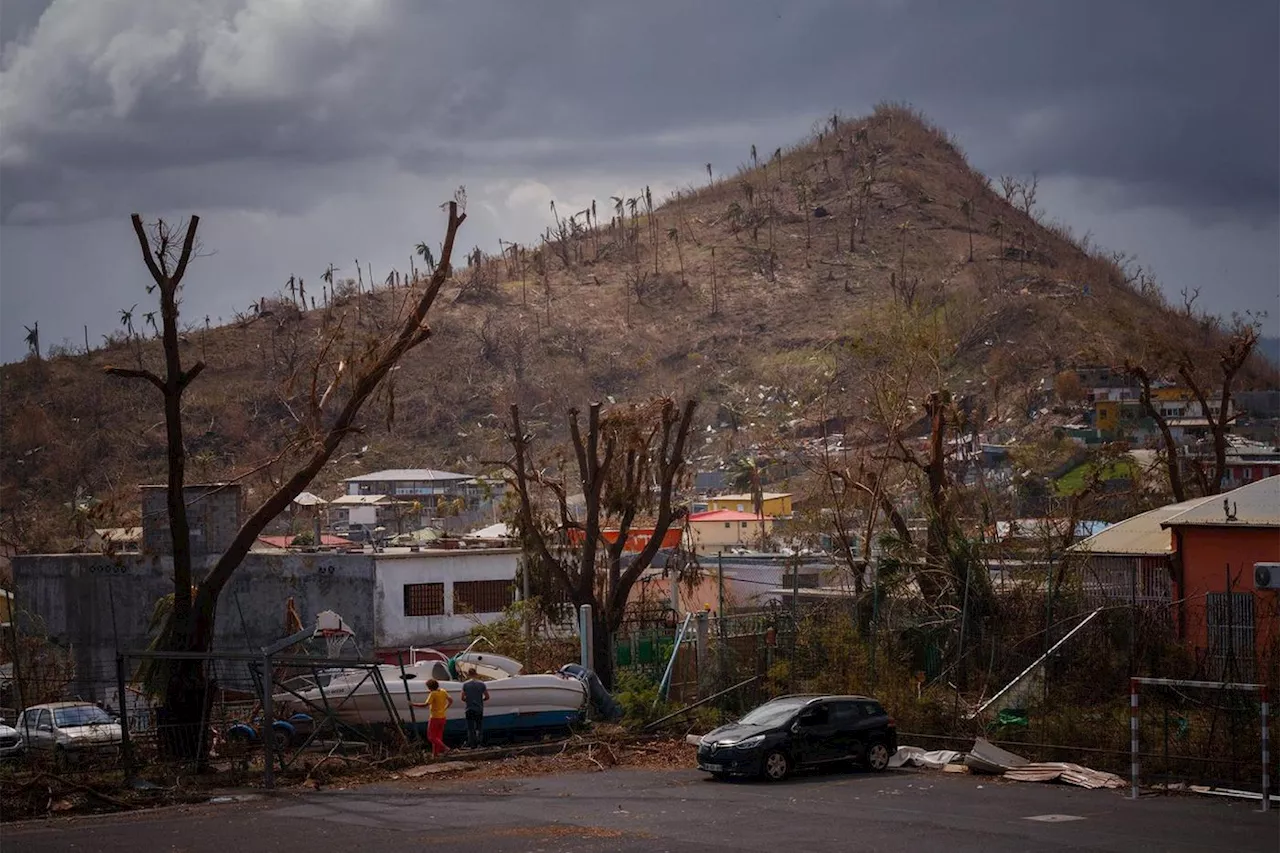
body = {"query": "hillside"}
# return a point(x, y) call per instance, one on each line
point(823, 284)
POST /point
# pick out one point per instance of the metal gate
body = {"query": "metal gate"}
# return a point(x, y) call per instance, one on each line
point(1231, 635)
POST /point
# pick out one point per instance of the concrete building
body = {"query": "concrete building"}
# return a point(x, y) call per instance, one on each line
point(1231, 626)
point(776, 504)
point(718, 530)
point(95, 604)
point(213, 516)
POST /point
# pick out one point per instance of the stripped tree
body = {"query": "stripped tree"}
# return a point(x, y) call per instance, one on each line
point(630, 462)
point(331, 416)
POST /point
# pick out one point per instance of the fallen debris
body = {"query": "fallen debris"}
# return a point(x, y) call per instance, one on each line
point(914, 756)
point(986, 757)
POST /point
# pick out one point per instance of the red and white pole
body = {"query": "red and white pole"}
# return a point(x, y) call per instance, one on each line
point(1133, 734)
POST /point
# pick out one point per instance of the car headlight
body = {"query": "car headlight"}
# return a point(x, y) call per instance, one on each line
point(749, 743)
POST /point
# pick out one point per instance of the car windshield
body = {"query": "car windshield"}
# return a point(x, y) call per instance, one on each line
point(80, 715)
point(772, 713)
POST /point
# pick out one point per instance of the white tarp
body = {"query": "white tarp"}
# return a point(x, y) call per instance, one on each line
point(914, 756)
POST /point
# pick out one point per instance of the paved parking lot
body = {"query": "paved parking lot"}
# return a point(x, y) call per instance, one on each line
point(634, 810)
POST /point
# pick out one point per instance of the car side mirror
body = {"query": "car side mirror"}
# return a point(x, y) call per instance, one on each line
point(795, 727)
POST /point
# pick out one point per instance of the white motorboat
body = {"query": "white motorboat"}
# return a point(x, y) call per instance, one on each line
point(387, 693)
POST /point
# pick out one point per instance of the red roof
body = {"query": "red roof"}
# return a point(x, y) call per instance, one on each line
point(326, 539)
point(725, 515)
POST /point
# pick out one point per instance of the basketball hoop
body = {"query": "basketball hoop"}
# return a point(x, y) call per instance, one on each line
point(334, 631)
point(334, 642)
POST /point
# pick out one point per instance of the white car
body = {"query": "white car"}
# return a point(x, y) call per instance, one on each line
point(66, 727)
point(11, 743)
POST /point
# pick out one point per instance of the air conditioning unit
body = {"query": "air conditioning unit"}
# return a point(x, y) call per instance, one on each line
point(1266, 575)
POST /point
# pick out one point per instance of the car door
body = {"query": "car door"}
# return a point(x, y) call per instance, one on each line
point(870, 725)
point(813, 737)
point(44, 729)
point(27, 727)
point(845, 719)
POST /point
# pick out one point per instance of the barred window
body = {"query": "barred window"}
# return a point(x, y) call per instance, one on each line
point(482, 596)
point(424, 599)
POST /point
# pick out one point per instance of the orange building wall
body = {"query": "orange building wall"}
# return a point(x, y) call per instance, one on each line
point(1206, 553)
point(636, 538)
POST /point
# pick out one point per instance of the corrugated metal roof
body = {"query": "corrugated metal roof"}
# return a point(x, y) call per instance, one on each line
point(1142, 534)
point(398, 474)
point(1257, 504)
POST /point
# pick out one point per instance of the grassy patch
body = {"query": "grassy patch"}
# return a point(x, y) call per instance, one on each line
point(1074, 480)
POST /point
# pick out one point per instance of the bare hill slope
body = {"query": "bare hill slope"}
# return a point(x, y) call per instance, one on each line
point(769, 296)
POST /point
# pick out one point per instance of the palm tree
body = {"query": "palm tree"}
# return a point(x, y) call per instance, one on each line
point(327, 275)
point(673, 234)
point(126, 319)
point(33, 340)
point(428, 259)
point(755, 161)
point(617, 209)
point(150, 318)
point(710, 180)
point(747, 477)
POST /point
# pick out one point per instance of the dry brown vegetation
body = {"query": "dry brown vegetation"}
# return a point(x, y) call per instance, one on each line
point(710, 295)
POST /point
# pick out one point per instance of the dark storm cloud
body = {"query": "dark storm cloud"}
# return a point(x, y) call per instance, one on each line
point(1161, 96)
point(276, 109)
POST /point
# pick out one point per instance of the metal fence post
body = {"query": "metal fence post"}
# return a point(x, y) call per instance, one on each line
point(702, 662)
point(1266, 753)
point(268, 724)
point(1133, 734)
point(126, 740)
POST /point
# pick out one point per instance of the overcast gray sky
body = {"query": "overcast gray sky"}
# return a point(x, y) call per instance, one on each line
point(306, 133)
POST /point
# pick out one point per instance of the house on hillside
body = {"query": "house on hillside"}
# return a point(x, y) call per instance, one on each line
point(776, 504)
point(718, 530)
point(352, 513)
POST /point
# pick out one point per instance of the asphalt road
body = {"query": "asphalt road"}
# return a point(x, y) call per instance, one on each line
point(651, 811)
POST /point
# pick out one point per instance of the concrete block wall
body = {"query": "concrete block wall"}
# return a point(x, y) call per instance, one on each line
point(96, 604)
point(213, 514)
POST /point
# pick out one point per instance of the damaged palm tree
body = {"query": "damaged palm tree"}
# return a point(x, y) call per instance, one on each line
point(629, 462)
point(326, 419)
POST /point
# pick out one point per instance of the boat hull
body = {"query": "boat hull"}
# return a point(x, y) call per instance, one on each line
point(516, 702)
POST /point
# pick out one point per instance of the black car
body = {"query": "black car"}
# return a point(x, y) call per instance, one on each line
point(801, 731)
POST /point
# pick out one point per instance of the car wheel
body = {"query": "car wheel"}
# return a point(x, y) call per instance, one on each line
point(776, 766)
point(877, 756)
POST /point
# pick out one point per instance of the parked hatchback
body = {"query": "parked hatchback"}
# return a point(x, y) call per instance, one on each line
point(69, 727)
point(801, 731)
point(11, 744)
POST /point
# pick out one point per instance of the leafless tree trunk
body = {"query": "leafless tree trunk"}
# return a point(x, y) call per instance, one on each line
point(622, 455)
point(191, 627)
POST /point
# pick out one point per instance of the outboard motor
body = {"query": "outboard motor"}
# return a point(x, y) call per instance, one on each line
point(605, 705)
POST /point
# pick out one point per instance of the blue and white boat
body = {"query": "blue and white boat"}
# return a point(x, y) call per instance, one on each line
point(517, 702)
